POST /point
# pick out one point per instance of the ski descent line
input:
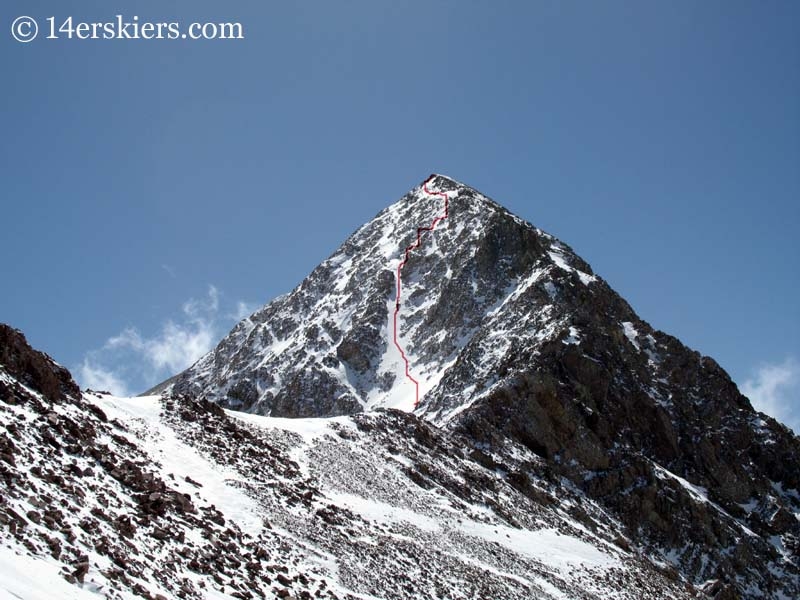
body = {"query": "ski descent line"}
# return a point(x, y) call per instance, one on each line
point(414, 246)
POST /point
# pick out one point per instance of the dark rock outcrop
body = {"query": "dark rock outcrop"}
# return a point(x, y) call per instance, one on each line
point(34, 369)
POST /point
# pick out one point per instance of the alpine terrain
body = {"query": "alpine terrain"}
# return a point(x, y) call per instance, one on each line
point(453, 405)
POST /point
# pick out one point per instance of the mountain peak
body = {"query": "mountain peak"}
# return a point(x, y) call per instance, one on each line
point(458, 192)
point(439, 179)
point(379, 322)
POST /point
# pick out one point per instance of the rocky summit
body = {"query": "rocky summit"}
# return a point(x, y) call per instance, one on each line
point(452, 405)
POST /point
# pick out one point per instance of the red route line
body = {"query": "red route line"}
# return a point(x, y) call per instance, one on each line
point(414, 246)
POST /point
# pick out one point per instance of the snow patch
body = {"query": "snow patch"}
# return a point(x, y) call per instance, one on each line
point(630, 332)
point(142, 415)
point(557, 256)
point(574, 337)
point(29, 578)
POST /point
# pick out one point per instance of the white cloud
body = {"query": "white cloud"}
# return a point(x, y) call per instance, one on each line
point(775, 389)
point(176, 347)
point(131, 360)
point(243, 310)
point(95, 377)
point(200, 309)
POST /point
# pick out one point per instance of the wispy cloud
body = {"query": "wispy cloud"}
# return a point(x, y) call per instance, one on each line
point(96, 377)
point(132, 361)
point(243, 309)
point(775, 389)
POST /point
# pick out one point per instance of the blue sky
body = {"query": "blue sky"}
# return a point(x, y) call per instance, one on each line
point(155, 190)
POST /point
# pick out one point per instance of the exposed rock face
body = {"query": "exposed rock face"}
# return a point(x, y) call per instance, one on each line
point(32, 368)
point(652, 430)
point(513, 337)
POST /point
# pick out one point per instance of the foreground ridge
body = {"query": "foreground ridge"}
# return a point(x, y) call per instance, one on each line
point(403, 262)
point(168, 498)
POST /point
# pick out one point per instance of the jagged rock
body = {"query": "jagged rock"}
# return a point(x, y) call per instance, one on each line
point(33, 368)
point(81, 569)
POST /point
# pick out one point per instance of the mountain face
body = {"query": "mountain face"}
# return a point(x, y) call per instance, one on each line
point(173, 497)
point(327, 348)
point(512, 337)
